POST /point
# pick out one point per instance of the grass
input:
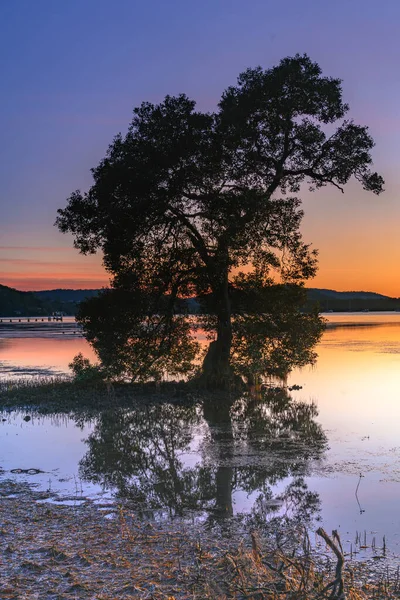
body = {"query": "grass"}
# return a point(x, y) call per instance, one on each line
point(65, 394)
point(54, 394)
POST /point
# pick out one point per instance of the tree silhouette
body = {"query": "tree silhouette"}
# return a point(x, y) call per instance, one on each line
point(196, 204)
point(145, 454)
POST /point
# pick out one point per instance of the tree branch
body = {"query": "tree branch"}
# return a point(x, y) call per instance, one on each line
point(194, 235)
point(313, 175)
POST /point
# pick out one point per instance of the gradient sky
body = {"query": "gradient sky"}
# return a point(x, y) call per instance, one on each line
point(71, 72)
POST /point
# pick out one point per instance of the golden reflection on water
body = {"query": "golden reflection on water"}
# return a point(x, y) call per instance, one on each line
point(356, 386)
point(358, 365)
point(54, 353)
point(356, 382)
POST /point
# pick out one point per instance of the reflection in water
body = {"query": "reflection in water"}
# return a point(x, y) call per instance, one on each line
point(38, 355)
point(356, 384)
point(357, 380)
point(171, 459)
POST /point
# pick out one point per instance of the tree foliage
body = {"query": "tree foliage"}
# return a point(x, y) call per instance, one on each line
point(86, 372)
point(134, 337)
point(189, 203)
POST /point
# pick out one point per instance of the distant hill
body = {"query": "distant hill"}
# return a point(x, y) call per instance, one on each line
point(14, 303)
point(61, 295)
point(345, 295)
point(44, 302)
point(350, 301)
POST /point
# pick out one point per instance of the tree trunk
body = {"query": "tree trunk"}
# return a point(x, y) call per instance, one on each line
point(223, 499)
point(219, 420)
point(216, 369)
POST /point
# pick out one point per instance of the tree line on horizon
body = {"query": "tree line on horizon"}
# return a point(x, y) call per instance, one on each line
point(14, 302)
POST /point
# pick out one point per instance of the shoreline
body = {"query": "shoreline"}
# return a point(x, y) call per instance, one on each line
point(79, 551)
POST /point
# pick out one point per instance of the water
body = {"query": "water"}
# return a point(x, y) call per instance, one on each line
point(47, 348)
point(301, 454)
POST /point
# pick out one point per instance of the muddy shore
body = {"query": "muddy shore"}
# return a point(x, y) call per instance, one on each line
point(62, 552)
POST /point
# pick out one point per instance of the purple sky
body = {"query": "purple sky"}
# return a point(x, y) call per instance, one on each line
point(72, 71)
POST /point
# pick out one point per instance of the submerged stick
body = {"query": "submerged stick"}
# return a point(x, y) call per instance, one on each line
point(358, 502)
point(338, 584)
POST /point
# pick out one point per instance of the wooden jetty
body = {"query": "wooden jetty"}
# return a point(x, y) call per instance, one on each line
point(31, 319)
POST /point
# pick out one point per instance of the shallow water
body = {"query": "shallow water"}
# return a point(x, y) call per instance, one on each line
point(45, 348)
point(258, 461)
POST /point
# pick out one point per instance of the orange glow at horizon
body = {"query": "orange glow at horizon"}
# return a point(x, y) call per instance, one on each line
point(27, 282)
point(355, 234)
point(32, 284)
point(30, 268)
point(342, 280)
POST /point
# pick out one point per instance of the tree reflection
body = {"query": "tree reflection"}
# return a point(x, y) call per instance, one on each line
point(173, 458)
point(139, 453)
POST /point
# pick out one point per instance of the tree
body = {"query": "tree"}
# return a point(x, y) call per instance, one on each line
point(196, 204)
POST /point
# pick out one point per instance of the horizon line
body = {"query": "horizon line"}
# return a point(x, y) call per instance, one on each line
point(51, 289)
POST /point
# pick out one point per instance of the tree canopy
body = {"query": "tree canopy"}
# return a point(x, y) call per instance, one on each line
point(190, 203)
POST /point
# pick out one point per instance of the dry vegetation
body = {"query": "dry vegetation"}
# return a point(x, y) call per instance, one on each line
point(57, 552)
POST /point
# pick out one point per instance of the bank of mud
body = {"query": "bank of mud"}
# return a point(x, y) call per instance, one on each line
point(66, 551)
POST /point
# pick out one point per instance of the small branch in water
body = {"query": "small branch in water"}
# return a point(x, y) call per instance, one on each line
point(338, 584)
point(358, 502)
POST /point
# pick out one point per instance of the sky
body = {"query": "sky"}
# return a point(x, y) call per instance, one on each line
point(71, 73)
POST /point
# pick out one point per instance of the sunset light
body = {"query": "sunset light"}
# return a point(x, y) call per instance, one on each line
point(200, 299)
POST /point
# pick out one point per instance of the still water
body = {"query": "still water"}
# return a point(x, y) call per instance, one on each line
point(327, 453)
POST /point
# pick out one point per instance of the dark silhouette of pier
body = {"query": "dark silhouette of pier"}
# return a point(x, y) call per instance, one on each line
point(31, 319)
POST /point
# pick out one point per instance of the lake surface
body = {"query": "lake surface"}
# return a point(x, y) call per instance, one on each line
point(300, 454)
point(30, 349)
